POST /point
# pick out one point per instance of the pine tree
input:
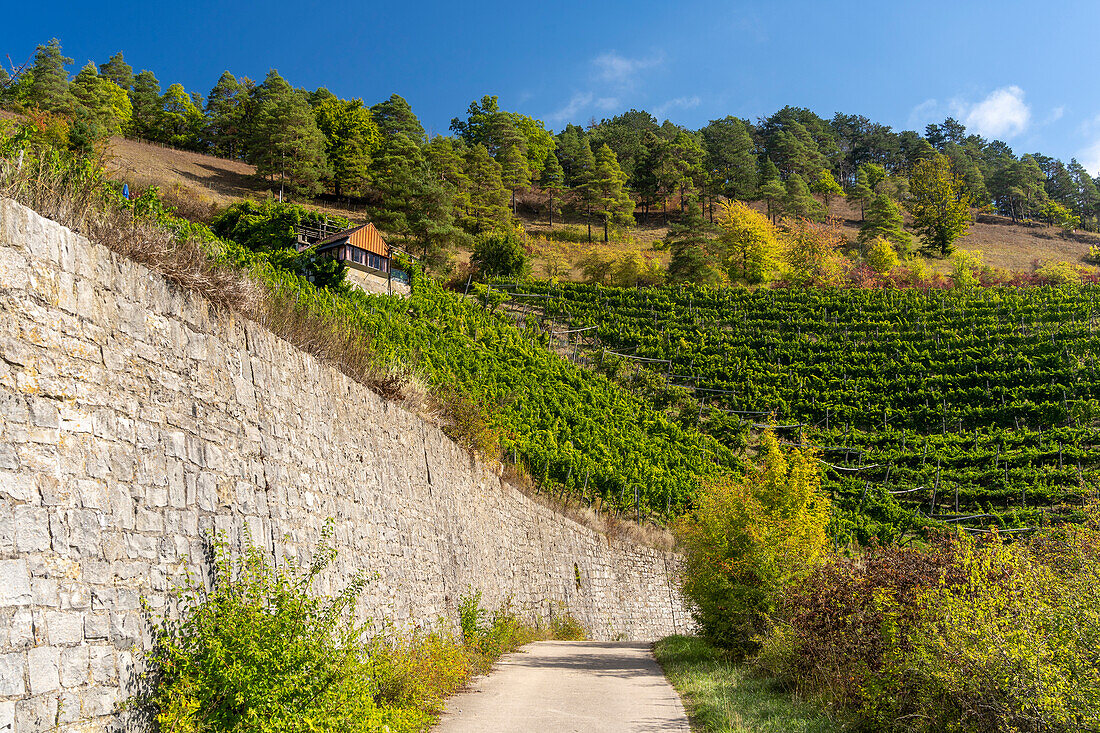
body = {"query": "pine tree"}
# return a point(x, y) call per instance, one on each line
point(182, 120)
point(224, 116)
point(515, 174)
point(411, 202)
point(798, 202)
point(49, 89)
point(884, 221)
point(861, 192)
point(488, 198)
point(351, 138)
point(772, 190)
point(148, 115)
point(695, 256)
point(117, 70)
point(285, 138)
point(395, 116)
point(100, 108)
point(553, 182)
point(731, 161)
point(613, 202)
point(447, 165)
point(584, 187)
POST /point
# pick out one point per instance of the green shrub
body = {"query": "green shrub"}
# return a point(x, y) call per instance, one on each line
point(500, 255)
point(260, 652)
point(964, 635)
point(748, 538)
point(564, 627)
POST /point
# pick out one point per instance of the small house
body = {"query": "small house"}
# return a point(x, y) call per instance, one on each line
point(363, 251)
point(358, 248)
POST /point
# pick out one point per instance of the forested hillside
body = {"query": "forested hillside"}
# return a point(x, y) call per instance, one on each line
point(435, 193)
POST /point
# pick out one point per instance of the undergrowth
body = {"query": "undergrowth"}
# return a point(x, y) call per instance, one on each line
point(261, 651)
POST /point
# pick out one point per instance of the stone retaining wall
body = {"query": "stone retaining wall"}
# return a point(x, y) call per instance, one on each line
point(136, 418)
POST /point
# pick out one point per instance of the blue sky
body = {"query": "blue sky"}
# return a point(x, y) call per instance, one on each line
point(1019, 71)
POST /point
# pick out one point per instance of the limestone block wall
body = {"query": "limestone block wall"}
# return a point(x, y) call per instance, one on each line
point(136, 418)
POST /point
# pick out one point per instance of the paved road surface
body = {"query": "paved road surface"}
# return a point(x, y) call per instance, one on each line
point(567, 687)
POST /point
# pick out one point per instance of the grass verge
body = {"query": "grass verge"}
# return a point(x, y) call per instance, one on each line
point(722, 696)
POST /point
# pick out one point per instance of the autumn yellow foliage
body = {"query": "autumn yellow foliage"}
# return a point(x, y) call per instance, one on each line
point(748, 538)
point(751, 241)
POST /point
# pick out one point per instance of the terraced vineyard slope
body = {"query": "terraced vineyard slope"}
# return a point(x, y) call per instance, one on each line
point(970, 406)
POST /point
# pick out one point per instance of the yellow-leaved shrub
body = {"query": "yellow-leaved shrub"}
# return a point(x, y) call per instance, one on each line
point(748, 538)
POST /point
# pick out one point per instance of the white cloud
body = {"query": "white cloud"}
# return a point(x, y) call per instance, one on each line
point(613, 78)
point(1003, 114)
point(1090, 158)
point(1055, 115)
point(925, 112)
point(679, 103)
point(576, 104)
point(612, 68)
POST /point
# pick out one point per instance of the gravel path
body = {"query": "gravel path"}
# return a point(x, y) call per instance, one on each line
point(568, 686)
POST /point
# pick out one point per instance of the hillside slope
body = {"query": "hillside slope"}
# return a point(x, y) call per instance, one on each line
point(206, 181)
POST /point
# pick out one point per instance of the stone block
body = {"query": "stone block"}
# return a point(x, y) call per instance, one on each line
point(34, 714)
point(32, 529)
point(73, 670)
point(15, 583)
point(44, 669)
point(101, 664)
point(97, 625)
point(44, 413)
point(12, 670)
point(15, 485)
point(65, 627)
point(7, 716)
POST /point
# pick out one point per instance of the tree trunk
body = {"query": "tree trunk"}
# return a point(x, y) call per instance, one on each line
point(551, 208)
point(605, 237)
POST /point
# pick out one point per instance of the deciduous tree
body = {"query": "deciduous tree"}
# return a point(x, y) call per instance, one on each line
point(752, 249)
point(812, 252)
point(826, 187)
point(938, 203)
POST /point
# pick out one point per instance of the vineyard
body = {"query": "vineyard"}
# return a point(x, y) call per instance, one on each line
point(575, 432)
point(974, 407)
